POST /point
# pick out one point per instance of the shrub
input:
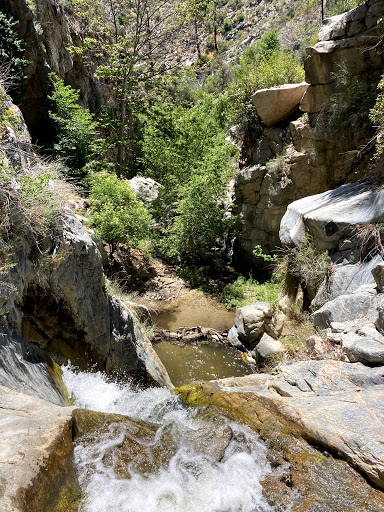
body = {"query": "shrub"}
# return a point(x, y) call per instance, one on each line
point(247, 291)
point(349, 113)
point(116, 214)
point(336, 7)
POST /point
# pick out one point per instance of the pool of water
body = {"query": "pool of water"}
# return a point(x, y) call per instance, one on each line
point(186, 362)
point(192, 310)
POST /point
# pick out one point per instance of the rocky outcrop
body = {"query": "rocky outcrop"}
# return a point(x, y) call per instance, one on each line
point(56, 287)
point(278, 103)
point(324, 403)
point(271, 178)
point(36, 471)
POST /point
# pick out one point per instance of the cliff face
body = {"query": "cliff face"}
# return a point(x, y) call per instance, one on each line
point(301, 156)
point(49, 29)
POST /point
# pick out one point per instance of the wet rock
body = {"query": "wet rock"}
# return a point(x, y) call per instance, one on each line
point(26, 368)
point(333, 404)
point(36, 453)
point(310, 480)
point(278, 103)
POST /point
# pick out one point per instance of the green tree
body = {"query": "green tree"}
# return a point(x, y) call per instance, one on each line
point(76, 130)
point(129, 41)
point(12, 49)
point(116, 214)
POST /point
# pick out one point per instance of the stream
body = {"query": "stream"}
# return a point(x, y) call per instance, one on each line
point(192, 463)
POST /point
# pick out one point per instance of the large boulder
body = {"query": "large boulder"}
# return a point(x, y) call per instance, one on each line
point(36, 470)
point(278, 103)
point(332, 217)
point(145, 189)
point(252, 321)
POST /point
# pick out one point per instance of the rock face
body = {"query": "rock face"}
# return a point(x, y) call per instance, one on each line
point(270, 178)
point(49, 28)
point(330, 403)
point(36, 472)
point(278, 103)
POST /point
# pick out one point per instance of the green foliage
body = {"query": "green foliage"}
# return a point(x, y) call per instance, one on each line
point(76, 129)
point(185, 150)
point(258, 253)
point(376, 115)
point(116, 214)
point(268, 45)
point(348, 114)
point(254, 71)
point(247, 291)
point(304, 262)
point(336, 7)
point(12, 48)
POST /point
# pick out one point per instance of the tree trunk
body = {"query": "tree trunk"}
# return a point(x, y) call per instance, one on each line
point(197, 38)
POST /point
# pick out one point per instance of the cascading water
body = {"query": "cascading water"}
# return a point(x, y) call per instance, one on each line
point(194, 473)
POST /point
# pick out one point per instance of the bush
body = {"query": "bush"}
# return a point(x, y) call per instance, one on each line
point(116, 214)
point(247, 291)
point(376, 115)
point(349, 113)
point(254, 72)
point(76, 129)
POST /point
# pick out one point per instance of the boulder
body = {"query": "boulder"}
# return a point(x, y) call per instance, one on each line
point(378, 275)
point(145, 189)
point(250, 322)
point(348, 278)
point(344, 25)
point(268, 347)
point(36, 470)
point(366, 345)
point(331, 217)
point(278, 103)
point(333, 404)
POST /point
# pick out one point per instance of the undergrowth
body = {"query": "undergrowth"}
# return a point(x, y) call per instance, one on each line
point(247, 291)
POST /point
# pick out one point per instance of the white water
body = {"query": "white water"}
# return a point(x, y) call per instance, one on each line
point(190, 480)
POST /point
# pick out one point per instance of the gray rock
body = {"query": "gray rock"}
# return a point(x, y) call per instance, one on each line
point(26, 368)
point(145, 189)
point(250, 322)
point(365, 346)
point(335, 404)
point(348, 278)
point(268, 347)
point(344, 308)
point(36, 470)
point(233, 338)
point(332, 216)
point(378, 275)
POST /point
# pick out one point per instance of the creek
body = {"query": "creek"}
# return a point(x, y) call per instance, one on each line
point(192, 464)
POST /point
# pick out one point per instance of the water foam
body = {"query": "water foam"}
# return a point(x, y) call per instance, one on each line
point(190, 481)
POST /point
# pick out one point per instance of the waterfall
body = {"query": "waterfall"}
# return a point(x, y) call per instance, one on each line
point(192, 476)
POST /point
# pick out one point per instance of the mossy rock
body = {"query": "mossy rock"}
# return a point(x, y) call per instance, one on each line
point(313, 481)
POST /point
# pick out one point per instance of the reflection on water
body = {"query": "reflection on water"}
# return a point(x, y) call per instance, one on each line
point(200, 361)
